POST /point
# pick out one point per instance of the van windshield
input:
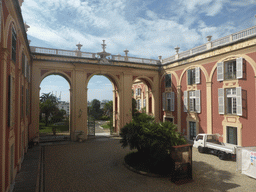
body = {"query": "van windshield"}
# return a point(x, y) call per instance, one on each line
point(212, 139)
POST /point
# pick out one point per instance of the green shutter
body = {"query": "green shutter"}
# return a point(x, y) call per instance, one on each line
point(189, 72)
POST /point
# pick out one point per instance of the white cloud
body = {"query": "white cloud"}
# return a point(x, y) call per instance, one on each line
point(134, 25)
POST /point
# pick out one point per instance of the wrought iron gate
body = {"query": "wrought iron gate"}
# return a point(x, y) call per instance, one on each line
point(91, 126)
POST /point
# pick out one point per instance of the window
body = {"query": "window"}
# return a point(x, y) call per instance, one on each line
point(230, 70)
point(138, 91)
point(230, 101)
point(169, 119)
point(138, 104)
point(14, 39)
point(193, 76)
point(10, 101)
point(168, 80)
point(22, 102)
point(232, 135)
point(192, 101)
point(192, 130)
point(169, 100)
point(144, 102)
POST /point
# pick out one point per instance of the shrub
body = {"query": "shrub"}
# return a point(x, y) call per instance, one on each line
point(151, 139)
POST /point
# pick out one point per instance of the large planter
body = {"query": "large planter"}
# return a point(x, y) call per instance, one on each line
point(182, 157)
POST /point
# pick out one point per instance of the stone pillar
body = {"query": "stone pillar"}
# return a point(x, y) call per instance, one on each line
point(209, 106)
point(179, 107)
point(79, 99)
point(114, 108)
point(126, 100)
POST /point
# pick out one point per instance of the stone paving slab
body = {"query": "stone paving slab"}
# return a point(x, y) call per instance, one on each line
point(97, 165)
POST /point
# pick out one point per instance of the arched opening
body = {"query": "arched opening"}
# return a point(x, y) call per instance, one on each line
point(55, 108)
point(102, 105)
point(142, 96)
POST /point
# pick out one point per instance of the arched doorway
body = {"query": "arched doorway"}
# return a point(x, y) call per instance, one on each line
point(55, 108)
point(108, 91)
point(143, 95)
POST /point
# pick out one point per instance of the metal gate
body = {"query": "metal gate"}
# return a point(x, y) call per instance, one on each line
point(91, 126)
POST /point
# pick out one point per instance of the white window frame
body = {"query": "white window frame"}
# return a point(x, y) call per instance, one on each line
point(194, 98)
point(235, 94)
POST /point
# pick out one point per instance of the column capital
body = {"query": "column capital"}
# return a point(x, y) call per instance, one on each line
point(179, 87)
point(208, 83)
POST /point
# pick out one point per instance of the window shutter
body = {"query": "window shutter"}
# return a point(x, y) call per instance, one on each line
point(220, 71)
point(189, 72)
point(185, 101)
point(163, 99)
point(197, 70)
point(239, 109)
point(198, 101)
point(168, 80)
point(221, 101)
point(239, 68)
point(172, 101)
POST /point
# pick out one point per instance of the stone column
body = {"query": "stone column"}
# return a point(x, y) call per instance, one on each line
point(114, 108)
point(126, 100)
point(79, 100)
point(209, 106)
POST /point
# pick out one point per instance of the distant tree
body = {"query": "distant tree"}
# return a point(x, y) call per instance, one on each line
point(94, 110)
point(108, 108)
point(48, 106)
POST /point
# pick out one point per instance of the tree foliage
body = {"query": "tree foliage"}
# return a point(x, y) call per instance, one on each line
point(94, 110)
point(150, 138)
point(48, 105)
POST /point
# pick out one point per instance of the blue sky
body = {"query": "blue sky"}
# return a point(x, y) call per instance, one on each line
point(147, 28)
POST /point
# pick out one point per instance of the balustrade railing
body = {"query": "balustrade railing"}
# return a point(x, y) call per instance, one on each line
point(218, 42)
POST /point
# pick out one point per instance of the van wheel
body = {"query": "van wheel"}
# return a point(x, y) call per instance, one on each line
point(222, 156)
point(200, 149)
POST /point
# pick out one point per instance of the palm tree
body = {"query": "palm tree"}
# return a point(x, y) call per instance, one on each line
point(48, 105)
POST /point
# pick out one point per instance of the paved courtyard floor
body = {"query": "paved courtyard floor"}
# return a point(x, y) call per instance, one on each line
point(97, 165)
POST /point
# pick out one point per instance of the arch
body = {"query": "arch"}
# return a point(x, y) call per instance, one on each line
point(147, 80)
point(111, 77)
point(55, 72)
point(192, 66)
point(9, 22)
point(246, 57)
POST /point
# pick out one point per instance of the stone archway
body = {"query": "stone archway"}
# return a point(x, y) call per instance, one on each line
point(116, 97)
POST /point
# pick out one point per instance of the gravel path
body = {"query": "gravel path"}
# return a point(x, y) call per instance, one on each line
point(97, 165)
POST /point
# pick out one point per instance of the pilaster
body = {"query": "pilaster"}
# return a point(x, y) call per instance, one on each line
point(209, 106)
point(179, 107)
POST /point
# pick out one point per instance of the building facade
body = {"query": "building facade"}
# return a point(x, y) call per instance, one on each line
point(208, 89)
point(213, 91)
point(15, 90)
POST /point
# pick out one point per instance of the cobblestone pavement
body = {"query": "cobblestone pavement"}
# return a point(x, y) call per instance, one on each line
point(97, 165)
